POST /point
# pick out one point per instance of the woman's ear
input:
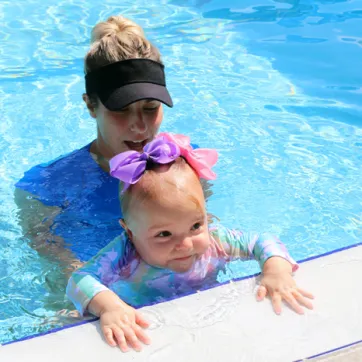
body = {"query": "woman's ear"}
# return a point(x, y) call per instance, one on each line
point(125, 227)
point(90, 106)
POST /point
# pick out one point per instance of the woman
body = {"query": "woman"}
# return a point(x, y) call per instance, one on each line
point(69, 207)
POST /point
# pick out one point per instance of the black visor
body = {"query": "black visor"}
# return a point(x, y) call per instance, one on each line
point(119, 84)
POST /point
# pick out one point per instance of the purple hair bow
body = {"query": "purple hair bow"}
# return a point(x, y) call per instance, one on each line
point(129, 166)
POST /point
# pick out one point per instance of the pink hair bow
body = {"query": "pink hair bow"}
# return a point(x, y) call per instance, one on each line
point(200, 159)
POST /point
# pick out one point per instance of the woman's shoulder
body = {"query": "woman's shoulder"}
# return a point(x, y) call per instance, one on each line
point(68, 159)
point(47, 178)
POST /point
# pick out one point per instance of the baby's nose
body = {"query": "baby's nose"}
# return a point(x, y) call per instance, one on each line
point(185, 244)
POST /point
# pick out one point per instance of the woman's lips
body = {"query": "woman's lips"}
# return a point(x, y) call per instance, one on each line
point(136, 146)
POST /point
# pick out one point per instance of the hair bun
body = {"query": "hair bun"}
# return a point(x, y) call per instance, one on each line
point(116, 39)
point(115, 25)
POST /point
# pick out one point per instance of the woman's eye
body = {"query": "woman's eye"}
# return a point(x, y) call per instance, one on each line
point(123, 110)
point(151, 108)
point(163, 234)
point(196, 226)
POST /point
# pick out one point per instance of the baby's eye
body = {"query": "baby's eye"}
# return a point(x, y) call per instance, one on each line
point(163, 234)
point(196, 226)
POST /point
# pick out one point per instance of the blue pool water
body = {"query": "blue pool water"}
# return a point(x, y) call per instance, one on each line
point(275, 86)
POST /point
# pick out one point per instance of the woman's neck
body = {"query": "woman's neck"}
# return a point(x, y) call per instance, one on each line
point(98, 156)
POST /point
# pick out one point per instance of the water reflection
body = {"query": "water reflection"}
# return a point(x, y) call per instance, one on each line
point(298, 11)
point(301, 38)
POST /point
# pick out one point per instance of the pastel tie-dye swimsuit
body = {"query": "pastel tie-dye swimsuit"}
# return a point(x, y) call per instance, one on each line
point(118, 267)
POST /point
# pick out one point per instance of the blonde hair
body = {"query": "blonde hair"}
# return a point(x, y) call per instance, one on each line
point(116, 39)
point(155, 183)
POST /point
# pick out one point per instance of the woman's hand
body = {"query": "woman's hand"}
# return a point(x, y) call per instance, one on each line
point(123, 325)
point(278, 283)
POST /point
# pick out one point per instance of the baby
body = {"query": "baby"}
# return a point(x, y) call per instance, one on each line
point(167, 243)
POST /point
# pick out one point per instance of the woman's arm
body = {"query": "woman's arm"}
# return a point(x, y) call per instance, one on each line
point(37, 223)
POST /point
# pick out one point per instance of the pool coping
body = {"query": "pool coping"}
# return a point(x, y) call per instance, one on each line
point(331, 352)
point(311, 357)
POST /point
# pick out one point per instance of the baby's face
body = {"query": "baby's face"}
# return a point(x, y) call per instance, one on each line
point(171, 232)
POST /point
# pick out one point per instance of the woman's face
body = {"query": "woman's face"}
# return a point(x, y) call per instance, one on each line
point(128, 129)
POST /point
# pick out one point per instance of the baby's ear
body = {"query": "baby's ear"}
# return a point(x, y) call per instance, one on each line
point(125, 227)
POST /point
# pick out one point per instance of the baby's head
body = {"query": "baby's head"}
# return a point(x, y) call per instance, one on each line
point(164, 211)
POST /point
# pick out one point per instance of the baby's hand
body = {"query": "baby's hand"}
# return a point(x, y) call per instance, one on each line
point(277, 281)
point(124, 325)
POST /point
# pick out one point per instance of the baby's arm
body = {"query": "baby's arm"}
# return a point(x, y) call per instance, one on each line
point(96, 275)
point(88, 290)
point(276, 263)
point(120, 323)
point(249, 245)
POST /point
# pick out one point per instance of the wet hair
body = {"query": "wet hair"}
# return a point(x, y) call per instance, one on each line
point(156, 183)
point(117, 39)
